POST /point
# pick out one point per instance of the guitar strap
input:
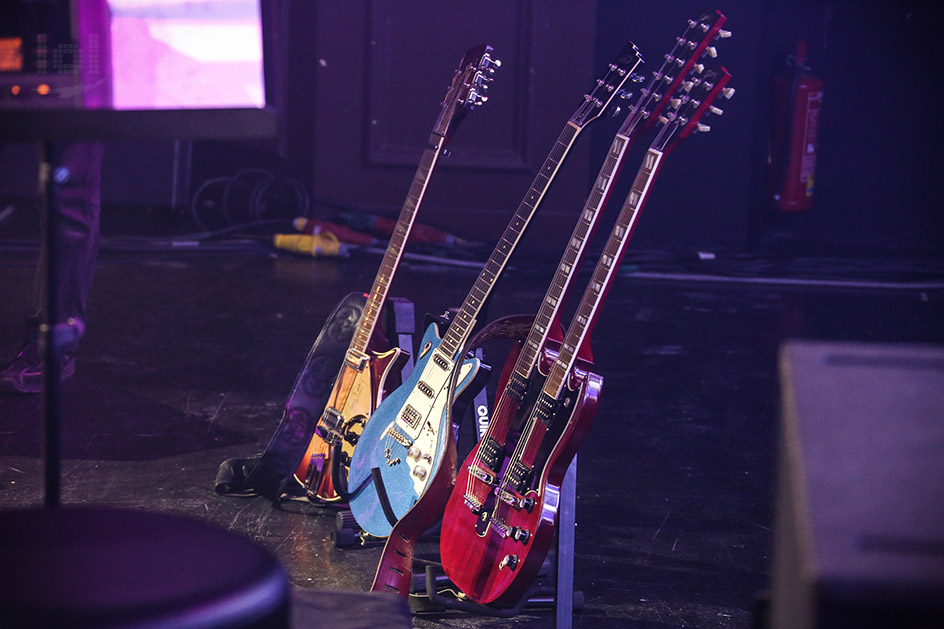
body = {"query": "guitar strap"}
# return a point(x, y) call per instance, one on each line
point(267, 474)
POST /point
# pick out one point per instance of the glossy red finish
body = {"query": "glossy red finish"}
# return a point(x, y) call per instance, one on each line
point(473, 560)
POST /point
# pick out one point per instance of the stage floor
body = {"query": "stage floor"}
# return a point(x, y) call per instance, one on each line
point(189, 356)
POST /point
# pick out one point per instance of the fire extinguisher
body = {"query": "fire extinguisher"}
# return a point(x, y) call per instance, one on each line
point(798, 98)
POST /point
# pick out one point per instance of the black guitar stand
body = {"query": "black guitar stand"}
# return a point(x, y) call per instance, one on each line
point(433, 592)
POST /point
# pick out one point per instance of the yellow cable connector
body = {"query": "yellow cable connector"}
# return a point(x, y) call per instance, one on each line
point(323, 244)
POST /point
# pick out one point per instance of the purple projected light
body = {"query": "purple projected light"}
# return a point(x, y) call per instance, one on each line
point(179, 54)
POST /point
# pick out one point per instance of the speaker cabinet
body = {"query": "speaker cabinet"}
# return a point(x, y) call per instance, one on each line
point(859, 528)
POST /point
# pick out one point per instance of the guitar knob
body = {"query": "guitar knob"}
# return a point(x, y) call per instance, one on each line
point(510, 562)
point(419, 472)
point(521, 535)
point(413, 453)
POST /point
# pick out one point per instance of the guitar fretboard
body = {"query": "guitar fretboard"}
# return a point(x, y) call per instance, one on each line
point(603, 275)
point(566, 269)
point(391, 259)
point(458, 332)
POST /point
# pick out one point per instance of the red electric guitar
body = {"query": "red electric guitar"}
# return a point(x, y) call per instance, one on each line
point(360, 384)
point(500, 517)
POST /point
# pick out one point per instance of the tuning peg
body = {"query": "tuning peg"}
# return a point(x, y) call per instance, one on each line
point(676, 103)
point(723, 34)
point(688, 85)
point(716, 111)
point(698, 68)
point(703, 128)
point(711, 51)
point(727, 92)
point(663, 120)
point(590, 99)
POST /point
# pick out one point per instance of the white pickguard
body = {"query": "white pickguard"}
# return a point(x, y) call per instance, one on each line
point(427, 436)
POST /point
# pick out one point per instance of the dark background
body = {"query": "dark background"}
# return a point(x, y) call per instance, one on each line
point(360, 83)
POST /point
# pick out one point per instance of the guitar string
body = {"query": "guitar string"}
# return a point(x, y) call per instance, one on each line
point(526, 363)
point(625, 74)
point(563, 373)
point(404, 225)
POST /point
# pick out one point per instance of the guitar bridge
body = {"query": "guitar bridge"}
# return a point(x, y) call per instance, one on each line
point(394, 433)
point(503, 529)
point(329, 425)
point(474, 504)
point(482, 475)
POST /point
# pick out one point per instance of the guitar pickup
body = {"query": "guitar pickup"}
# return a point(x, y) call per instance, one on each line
point(441, 362)
point(425, 389)
point(411, 416)
point(482, 475)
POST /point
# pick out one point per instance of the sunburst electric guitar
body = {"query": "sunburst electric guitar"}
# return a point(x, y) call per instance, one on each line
point(500, 517)
point(404, 442)
point(360, 383)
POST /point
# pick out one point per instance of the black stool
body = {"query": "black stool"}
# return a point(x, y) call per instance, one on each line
point(90, 566)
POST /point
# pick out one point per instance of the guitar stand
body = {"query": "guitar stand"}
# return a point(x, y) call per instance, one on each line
point(556, 590)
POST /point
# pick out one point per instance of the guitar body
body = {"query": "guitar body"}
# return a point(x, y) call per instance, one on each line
point(354, 396)
point(403, 444)
point(493, 564)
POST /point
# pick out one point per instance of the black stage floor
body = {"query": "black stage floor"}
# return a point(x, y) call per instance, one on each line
point(189, 356)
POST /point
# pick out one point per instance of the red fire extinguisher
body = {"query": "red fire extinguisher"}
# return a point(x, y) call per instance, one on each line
point(798, 98)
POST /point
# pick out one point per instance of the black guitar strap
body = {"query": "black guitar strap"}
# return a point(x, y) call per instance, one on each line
point(267, 474)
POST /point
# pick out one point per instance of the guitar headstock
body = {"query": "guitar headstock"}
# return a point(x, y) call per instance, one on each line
point(469, 88)
point(608, 86)
point(682, 63)
point(695, 103)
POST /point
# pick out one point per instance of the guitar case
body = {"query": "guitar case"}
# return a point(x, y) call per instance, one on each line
point(268, 474)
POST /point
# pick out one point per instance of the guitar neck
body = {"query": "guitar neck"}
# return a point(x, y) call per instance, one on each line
point(461, 326)
point(394, 252)
point(603, 274)
point(566, 269)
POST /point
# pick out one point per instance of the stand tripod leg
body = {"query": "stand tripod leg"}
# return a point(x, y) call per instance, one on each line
point(564, 608)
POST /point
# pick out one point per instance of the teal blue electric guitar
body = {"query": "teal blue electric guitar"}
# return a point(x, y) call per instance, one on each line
point(403, 443)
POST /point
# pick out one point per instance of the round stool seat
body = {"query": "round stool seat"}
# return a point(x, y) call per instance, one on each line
point(90, 566)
